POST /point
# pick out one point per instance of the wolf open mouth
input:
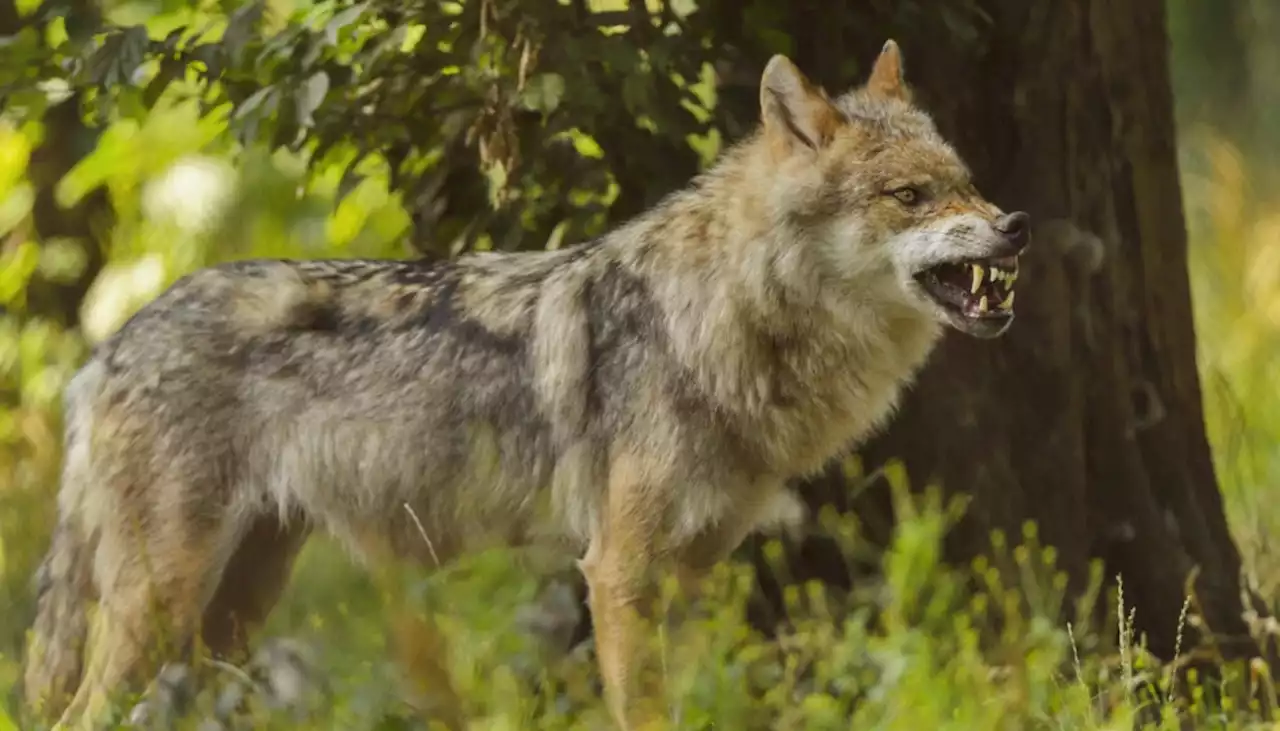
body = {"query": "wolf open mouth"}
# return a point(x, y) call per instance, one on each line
point(978, 289)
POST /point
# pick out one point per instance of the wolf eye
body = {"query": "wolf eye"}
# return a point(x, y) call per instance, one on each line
point(907, 195)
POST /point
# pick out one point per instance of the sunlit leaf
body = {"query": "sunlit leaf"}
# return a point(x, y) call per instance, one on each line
point(17, 264)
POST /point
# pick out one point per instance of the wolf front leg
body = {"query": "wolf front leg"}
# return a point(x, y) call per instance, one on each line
point(618, 567)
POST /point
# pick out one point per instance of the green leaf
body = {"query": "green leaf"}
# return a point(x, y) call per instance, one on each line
point(350, 178)
point(636, 93)
point(261, 105)
point(134, 45)
point(119, 56)
point(255, 100)
point(342, 20)
point(240, 29)
point(543, 93)
point(315, 47)
point(80, 27)
point(16, 267)
point(584, 144)
point(174, 39)
point(310, 96)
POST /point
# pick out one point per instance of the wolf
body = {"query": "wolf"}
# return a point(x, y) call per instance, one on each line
point(645, 396)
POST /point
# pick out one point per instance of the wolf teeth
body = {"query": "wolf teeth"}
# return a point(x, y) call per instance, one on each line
point(979, 273)
point(982, 305)
point(1006, 276)
point(1007, 302)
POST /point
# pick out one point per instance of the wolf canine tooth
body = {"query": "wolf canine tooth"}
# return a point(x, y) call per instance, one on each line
point(982, 304)
point(1007, 302)
point(978, 274)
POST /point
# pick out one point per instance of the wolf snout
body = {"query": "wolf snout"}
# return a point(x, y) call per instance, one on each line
point(1016, 229)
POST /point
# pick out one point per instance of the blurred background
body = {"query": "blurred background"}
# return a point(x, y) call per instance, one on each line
point(1227, 103)
point(330, 132)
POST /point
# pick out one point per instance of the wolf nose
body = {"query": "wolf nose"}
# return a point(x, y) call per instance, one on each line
point(1016, 228)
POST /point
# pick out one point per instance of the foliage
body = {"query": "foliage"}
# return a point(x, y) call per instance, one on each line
point(222, 131)
point(442, 101)
point(918, 653)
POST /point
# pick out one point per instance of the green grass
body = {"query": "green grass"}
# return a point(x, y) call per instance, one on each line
point(916, 652)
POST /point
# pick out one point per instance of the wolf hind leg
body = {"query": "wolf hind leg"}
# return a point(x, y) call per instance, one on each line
point(154, 577)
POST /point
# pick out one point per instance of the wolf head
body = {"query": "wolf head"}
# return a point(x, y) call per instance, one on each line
point(867, 180)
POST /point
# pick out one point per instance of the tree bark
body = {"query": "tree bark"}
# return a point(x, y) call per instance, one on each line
point(1086, 418)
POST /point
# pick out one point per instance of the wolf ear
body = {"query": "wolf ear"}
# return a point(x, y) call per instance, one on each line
point(793, 108)
point(886, 75)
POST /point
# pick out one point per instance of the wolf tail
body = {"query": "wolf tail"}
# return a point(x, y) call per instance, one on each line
point(64, 581)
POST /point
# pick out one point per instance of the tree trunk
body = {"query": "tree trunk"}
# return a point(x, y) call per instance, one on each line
point(1086, 418)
